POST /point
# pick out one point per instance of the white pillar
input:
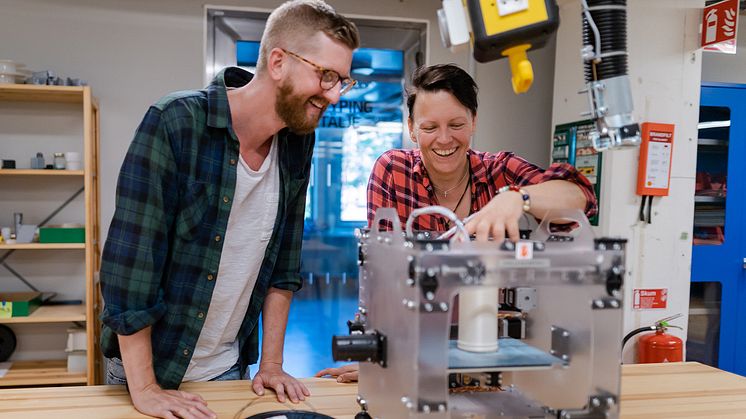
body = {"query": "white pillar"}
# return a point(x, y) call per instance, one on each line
point(664, 68)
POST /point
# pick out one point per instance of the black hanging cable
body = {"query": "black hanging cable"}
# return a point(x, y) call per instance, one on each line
point(645, 213)
point(463, 194)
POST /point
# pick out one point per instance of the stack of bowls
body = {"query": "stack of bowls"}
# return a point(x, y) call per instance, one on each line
point(12, 72)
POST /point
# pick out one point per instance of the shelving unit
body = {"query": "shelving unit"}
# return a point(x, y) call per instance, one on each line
point(711, 142)
point(36, 373)
point(51, 314)
point(36, 172)
point(710, 195)
point(54, 372)
point(709, 199)
point(716, 310)
point(42, 246)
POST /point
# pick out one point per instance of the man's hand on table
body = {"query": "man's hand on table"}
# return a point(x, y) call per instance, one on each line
point(170, 404)
point(344, 374)
point(271, 375)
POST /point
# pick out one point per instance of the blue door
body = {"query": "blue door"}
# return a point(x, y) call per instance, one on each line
point(717, 313)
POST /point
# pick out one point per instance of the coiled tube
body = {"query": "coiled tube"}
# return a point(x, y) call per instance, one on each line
point(610, 17)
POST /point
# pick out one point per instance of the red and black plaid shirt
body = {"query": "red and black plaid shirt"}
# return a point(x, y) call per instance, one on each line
point(399, 180)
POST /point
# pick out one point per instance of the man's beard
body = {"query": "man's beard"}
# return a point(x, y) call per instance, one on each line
point(291, 108)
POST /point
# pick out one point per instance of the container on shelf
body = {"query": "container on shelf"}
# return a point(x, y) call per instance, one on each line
point(73, 160)
point(59, 161)
point(18, 304)
point(76, 361)
point(76, 339)
point(62, 233)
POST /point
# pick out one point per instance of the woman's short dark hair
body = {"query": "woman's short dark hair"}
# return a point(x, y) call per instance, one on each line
point(448, 77)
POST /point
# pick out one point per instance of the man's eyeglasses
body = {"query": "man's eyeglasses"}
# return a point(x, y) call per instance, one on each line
point(329, 78)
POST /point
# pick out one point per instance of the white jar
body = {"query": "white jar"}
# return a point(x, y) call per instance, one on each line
point(59, 161)
point(73, 160)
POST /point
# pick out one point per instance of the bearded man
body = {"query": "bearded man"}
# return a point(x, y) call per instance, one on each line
point(208, 224)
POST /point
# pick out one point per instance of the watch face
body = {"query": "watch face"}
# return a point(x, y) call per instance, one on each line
point(7, 342)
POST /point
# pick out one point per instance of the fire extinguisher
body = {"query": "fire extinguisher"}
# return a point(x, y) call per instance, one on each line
point(658, 346)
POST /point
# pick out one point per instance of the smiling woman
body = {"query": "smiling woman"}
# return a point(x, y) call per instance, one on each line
point(494, 187)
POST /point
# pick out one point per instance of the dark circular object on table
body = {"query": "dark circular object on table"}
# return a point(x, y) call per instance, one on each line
point(7, 342)
point(290, 414)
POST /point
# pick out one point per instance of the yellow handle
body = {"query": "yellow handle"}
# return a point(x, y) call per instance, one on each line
point(520, 67)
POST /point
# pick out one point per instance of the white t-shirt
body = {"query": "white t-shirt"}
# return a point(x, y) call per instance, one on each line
point(250, 225)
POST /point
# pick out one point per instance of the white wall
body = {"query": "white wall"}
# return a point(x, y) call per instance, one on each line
point(133, 52)
point(727, 68)
point(519, 123)
point(664, 67)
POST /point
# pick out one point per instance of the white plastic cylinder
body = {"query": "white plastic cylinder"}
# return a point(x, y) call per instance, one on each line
point(477, 319)
point(73, 160)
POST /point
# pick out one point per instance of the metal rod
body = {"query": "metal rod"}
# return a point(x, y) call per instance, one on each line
point(64, 204)
point(21, 278)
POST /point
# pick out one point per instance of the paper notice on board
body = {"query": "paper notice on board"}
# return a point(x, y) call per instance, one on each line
point(4, 368)
point(659, 161)
point(587, 165)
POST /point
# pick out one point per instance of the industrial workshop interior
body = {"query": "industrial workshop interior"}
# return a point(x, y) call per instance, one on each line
point(589, 263)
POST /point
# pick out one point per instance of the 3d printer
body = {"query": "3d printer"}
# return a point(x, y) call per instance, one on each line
point(568, 364)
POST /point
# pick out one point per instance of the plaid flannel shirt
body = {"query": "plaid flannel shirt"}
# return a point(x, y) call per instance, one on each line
point(399, 180)
point(173, 199)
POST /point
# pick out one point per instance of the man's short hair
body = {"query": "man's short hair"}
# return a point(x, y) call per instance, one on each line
point(296, 21)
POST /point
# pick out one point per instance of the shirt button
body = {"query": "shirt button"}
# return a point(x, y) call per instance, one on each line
point(186, 352)
point(217, 238)
point(210, 277)
point(233, 162)
point(226, 199)
point(200, 315)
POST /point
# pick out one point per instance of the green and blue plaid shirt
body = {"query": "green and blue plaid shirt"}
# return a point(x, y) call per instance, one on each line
point(173, 199)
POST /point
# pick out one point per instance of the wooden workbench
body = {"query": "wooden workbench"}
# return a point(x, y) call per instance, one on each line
point(688, 390)
point(681, 390)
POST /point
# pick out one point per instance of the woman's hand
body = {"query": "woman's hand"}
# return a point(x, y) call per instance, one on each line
point(344, 374)
point(499, 216)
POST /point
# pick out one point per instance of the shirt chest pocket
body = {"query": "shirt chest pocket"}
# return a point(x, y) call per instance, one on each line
point(271, 202)
point(197, 203)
